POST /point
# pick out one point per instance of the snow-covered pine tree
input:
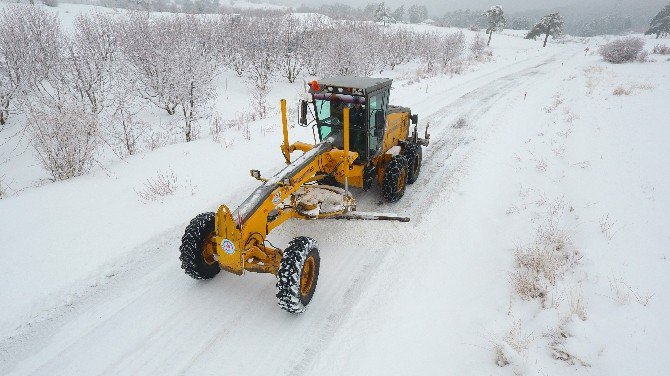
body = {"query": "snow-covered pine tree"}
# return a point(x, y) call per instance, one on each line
point(660, 24)
point(551, 24)
point(399, 13)
point(495, 18)
point(382, 13)
point(417, 13)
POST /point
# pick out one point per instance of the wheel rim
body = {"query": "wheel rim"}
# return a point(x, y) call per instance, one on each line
point(307, 277)
point(402, 179)
point(209, 250)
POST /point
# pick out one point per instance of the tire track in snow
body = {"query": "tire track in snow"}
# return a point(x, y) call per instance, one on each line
point(446, 141)
point(349, 276)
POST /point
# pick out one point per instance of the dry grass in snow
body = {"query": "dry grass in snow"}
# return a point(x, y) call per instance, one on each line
point(163, 185)
point(541, 263)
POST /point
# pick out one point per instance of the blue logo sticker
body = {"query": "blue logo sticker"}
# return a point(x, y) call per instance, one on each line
point(228, 246)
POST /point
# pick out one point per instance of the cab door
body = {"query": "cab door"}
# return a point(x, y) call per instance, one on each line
point(378, 105)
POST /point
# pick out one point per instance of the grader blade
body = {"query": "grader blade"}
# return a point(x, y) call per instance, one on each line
point(371, 216)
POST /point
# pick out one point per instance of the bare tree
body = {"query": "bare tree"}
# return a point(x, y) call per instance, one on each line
point(92, 59)
point(148, 47)
point(477, 46)
point(451, 48)
point(312, 55)
point(262, 52)
point(292, 44)
point(233, 35)
point(398, 47)
point(429, 55)
point(197, 65)
point(30, 39)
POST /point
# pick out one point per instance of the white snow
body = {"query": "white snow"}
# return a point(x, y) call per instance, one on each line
point(91, 281)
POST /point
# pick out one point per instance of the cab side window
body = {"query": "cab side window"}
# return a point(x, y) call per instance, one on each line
point(378, 106)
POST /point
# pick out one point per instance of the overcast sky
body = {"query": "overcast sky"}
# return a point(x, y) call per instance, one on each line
point(439, 7)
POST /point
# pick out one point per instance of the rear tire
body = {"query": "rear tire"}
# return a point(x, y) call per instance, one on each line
point(395, 179)
point(197, 252)
point(298, 274)
point(414, 154)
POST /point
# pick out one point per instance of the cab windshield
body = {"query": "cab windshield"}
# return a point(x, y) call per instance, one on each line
point(330, 109)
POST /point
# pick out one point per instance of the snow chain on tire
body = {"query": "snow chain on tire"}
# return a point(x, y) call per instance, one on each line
point(414, 154)
point(300, 256)
point(192, 245)
point(395, 179)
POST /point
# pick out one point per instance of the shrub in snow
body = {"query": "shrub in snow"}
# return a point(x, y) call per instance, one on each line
point(541, 263)
point(164, 184)
point(620, 90)
point(65, 140)
point(477, 46)
point(126, 130)
point(558, 344)
point(622, 50)
point(661, 49)
point(643, 56)
point(513, 344)
point(50, 3)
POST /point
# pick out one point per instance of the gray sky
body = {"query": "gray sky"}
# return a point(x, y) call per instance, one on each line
point(439, 7)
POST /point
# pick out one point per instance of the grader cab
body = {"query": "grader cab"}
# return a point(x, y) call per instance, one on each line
point(362, 140)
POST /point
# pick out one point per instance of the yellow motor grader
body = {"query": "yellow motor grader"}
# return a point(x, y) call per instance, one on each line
point(362, 140)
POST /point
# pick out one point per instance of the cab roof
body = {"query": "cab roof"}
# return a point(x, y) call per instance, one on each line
point(367, 84)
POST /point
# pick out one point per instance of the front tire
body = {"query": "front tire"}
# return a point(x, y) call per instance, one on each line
point(298, 274)
point(395, 179)
point(197, 251)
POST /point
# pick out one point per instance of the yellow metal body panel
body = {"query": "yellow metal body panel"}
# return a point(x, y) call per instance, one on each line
point(248, 251)
point(248, 237)
point(397, 129)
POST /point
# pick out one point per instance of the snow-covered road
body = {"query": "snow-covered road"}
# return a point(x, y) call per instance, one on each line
point(153, 319)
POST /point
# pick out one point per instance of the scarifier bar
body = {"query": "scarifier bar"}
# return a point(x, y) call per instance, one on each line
point(371, 216)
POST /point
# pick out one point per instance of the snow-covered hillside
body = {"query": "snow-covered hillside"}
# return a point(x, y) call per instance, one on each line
point(538, 240)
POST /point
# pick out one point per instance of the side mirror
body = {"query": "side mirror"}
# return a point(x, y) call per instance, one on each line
point(380, 120)
point(303, 112)
point(414, 118)
point(255, 174)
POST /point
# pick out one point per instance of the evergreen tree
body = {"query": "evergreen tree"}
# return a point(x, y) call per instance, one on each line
point(417, 13)
point(495, 18)
point(382, 13)
point(551, 24)
point(660, 24)
point(399, 13)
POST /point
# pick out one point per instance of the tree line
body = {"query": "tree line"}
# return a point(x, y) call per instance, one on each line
point(82, 88)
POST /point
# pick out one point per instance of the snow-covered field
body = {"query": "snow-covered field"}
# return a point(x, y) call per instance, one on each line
point(546, 161)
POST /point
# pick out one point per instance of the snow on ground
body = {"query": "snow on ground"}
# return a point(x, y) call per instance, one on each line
point(92, 282)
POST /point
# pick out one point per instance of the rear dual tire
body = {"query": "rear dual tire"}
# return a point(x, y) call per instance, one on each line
point(395, 178)
point(414, 155)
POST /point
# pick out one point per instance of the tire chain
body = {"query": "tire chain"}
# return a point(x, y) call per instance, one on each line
point(288, 276)
point(191, 247)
